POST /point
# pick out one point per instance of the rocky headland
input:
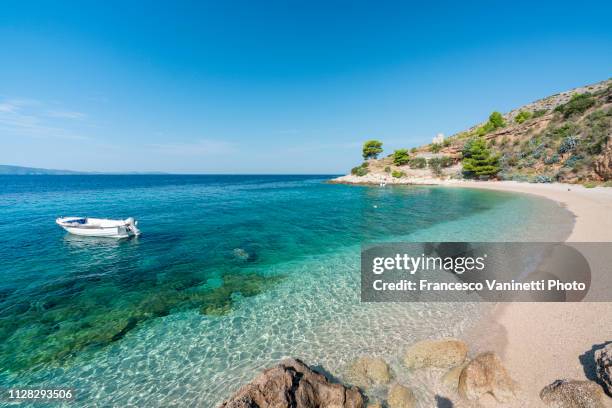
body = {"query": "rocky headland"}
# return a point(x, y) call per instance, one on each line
point(562, 138)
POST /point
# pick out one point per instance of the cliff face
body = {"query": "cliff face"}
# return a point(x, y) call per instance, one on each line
point(565, 137)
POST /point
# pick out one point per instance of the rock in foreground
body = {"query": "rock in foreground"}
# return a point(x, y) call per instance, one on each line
point(486, 374)
point(444, 353)
point(292, 384)
point(401, 397)
point(572, 394)
point(603, 362)
point(368, 371)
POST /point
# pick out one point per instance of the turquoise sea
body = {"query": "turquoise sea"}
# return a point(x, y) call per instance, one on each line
point(230, 275)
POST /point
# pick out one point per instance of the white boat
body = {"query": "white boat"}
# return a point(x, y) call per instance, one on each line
point(99, 227)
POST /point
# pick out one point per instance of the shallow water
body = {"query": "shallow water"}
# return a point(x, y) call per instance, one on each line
point(231, 274)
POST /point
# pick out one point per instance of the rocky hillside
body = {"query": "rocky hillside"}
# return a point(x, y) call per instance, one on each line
point(565, 137)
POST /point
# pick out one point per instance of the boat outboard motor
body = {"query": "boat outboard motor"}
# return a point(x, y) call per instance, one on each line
point(131, 225)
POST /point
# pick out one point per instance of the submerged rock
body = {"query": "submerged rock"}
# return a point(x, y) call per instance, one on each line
point(241, 254)
point(603, 363)
point(572, 394)
point(451, 379)
point(292, 384)
point(368, 371)
point(401, 397)
point(443, 353)
point(486, 374)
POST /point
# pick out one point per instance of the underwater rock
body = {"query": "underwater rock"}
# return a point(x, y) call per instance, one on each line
point(451, 379)
point(400, 397)
point(292, 384)
point(572, 394)
point(368, 371)
point(486, 374)
point(443, 353)
point(241, 254)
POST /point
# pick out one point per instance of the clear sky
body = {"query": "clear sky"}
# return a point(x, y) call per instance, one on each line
point(274, 86)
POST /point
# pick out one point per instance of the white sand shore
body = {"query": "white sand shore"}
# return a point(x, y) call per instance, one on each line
point(542, 342)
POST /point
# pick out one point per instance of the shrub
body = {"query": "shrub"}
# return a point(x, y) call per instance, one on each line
point(417, 163)
point(387, 169)
point(446, 142)
point(359, 171)
point(522, 116)
point(516, 142)
point(480, 161)
point(413, 150)
point(435, 147)
point(598, 126)
point(400, 157)
point(504, 141)
point(371, 149)
point(574, 161)
point(552, 159)
point(539, 113)
point(542, 178)
point(436, 164)
point(497, 120)
point(578, 104)
point(569, 143)
point(590, 184)
point(398, 174)
point(567, 129)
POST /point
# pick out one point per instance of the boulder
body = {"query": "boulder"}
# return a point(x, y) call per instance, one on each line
point(451, 379)
point(572, 394)
point(486, 374)
point(603, 364)
point(443, 353)
point(368, 371)
point(292, 384)
point(603, 165)
point(400, 397)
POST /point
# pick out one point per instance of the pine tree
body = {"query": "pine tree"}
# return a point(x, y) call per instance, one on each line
point(479, 161)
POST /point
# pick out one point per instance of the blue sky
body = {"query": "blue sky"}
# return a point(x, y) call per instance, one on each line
point(274, 87)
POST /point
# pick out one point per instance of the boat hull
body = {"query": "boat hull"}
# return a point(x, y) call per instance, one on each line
point(114, 232)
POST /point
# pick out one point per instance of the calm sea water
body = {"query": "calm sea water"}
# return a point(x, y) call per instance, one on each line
point(231, 274)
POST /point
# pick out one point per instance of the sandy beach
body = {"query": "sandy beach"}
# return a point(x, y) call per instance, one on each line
point(542, 342)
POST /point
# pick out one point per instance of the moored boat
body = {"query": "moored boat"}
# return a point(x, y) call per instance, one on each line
point(99, 227)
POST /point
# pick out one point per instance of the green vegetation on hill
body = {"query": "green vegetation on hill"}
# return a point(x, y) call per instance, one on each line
point(568, 147)
point(553, 139)
point(496, 121)
point(371, 149)
point(401, 157)
point(577, 105)
point(523, 116)
point(360, 171)
point(478, 161)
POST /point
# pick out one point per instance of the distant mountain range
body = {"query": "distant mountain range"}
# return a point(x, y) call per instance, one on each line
point(35, 171)
point(26, 171)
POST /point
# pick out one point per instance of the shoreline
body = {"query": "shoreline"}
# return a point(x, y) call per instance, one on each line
point(558, 333)
point(542, 342)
